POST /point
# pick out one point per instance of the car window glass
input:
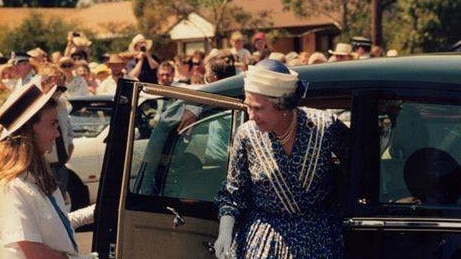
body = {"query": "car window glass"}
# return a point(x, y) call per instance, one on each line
point(420, 153)
point(199, 160)
point(191, 164)
point(89, 121)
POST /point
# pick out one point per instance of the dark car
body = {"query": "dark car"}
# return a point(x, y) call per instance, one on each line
point(399, 195)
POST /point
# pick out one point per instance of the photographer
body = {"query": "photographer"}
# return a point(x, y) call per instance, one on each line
point(145, 69)
point(78, 46)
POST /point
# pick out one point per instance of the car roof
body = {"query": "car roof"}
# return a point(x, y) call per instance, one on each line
point(434, 71)
point(425, 71)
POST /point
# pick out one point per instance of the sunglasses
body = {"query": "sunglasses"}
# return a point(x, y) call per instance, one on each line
point(61, 88)
point(68, 65)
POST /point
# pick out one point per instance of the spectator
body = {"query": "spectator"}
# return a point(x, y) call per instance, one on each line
point(63, 146)
point(76, 85)
point(101, 72)
point(237, 40)
point(146, 64)
point(84, 71)
point(259, 42)
point(317, 58)
point(183, 67)
point(78, 46)
point(292, 59)
point(279, 56)
point(376, 51)
point(109, 85)
point(198, 66)
point(55, 57)
point(342, 52)
point(304, 57)
point(362, 47)
point(8, 80)
point(165, 73)
point(23, 69)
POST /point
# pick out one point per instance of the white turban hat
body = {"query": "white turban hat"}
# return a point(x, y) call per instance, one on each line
point(268, 78)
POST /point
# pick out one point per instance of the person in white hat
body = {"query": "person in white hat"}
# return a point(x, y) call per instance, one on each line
point(32, 212)
point(280, 179)
point(342, 52)
point(146, 64)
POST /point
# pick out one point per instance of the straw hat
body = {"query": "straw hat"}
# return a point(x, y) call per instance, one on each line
point(343, 49)
point(20, 106)
point(101, 68)
point(115, 59)
point(140, 39)
point(66, 60)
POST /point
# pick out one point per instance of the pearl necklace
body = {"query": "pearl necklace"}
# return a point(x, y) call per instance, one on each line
point(285, 137)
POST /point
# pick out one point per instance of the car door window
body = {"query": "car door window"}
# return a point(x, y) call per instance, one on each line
point(191, 164)
point(420, 153)
point(199, 160)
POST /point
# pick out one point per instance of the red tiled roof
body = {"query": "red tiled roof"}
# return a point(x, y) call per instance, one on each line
point(94, 17)
point(98, 15)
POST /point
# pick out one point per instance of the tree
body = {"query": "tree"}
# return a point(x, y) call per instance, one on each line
point(154, 15)
point(427, 25)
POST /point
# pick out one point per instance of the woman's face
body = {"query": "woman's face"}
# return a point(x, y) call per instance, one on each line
point(46, 130)
point(260, 44)
point(262, 111)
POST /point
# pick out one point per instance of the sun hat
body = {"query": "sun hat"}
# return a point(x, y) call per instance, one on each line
point(20, 106)
point(18, 56)
point(140, 39)
point(270, 77)
point(101, 68)
point(115, 59)
point(343, 49)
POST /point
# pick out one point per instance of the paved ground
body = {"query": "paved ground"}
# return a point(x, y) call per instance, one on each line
point(84, 240)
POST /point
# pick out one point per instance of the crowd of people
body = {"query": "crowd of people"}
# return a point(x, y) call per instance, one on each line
point(87, 75)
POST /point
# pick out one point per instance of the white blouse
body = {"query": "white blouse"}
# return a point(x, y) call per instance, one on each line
point(28, 215)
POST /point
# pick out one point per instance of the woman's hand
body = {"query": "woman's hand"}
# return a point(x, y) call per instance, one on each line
point(224, 241)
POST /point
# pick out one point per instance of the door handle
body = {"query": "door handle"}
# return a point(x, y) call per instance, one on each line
point(178, 219)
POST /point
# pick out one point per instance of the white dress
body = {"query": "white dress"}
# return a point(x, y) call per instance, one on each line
point(28, 215)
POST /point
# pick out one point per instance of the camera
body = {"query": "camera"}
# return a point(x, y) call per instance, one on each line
point(143, 48)
point(75, 34)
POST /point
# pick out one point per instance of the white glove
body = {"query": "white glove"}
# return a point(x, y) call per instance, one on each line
point(223, 243)
point(82, 217)
point(93, 255)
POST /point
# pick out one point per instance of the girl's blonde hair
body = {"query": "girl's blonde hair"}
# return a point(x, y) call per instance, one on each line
point(19, 153)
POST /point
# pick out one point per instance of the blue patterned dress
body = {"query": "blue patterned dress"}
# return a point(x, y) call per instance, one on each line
point(283, 205)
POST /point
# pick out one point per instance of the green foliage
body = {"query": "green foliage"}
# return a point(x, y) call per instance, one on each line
point(35, 31)
point(50, 35)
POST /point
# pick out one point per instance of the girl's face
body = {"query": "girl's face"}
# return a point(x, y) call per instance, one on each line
point(46, 130)
point(83, 72)
point(262, 111)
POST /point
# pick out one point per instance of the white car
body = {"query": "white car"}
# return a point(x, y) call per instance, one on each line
point(90, 118)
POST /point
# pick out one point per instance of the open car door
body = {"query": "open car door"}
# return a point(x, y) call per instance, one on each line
point(168, 181)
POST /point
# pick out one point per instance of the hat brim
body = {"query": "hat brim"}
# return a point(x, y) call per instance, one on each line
point(148, 45)
point(23, 108)
point(339, 53)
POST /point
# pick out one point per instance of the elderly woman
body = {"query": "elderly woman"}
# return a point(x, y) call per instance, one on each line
point(280, 183)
